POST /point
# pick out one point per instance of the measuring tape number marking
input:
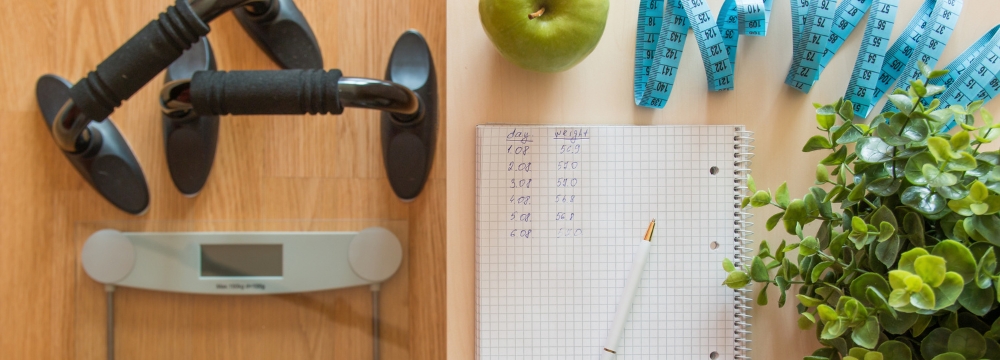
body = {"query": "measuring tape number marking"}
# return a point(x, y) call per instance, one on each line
point(662, 31)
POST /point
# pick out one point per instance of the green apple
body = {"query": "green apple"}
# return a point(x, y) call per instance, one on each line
point(544, 35)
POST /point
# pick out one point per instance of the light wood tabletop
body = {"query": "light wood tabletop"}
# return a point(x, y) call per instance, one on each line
point(485, 88)
point(270, 173)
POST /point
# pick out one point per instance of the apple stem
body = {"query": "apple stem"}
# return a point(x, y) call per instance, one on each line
point(536, 14)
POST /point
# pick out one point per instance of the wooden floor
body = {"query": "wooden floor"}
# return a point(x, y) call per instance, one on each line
point(271, 173)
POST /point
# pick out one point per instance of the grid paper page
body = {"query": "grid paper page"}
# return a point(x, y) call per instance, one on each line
point(560, 212)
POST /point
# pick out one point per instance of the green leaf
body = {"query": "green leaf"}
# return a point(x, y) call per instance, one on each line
point(817, 271)
point(914, 168)
point(964, 162)
point(858, 353)
point(931, 269)
point(935, 343)
point(992, 349)
point(925, 70)
point(825, 117)
point(873, 356)
point(836, 158)
point(897, 279)
point(900, 299)
point(937, 178)
point(783, 286)
point(737, 279)
point(902, 102)
point(806, 320)
point(940, 148)
point(847, 111)
point(923, 200)
point(847, 134)
point(924, 298)
point(758, 271)
point(898, 325)
point(795, 215)
point(960, 141)
point(988, 227)
point(886, 251)
point(994, 332)
point(958, 258)
point(808, 301)
point(873, 150)
point(885, 186)
point(967, 342)
point(949, 291)
point(916, 130)
point(886, 230)
point(895, 350)
point(978, 301)
point(858, 224)
point(918, 88)
point(822, 175)
point(858, 191)
point(937, 73)
point(760, 199)
point(863, 282)
point(826, 313)
point(913, 226)
point(728, 265)
point(817, 142)
point(906, 262)
point(975, 105)
point(867, 335)
point(781, 196)
point(949, 356)
point(834, 329)
point(953, 192)
point(773, 220)
point(751, 185)
point(922, 322)
point(762, 296)
point(985, 267)
point(958, 109)
point(808, 246)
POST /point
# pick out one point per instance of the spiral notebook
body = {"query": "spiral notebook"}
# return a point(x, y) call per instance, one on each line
point(559, 212)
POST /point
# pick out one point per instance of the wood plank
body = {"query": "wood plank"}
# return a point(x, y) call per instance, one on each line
point(290, 172)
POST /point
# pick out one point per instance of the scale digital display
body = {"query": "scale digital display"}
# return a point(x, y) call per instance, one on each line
point(241, 260)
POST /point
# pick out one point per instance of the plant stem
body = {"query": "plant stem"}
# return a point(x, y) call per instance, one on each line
point(869, 203)
point(895, 149)
point(536, 14)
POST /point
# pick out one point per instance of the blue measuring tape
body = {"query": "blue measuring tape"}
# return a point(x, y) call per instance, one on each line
point(975, 74)
point(812, 20)
point(878, 67)
point(662, 31)
point(819, 30)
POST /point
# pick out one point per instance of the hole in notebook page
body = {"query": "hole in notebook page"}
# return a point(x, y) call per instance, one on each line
point(714, 245)
point(714, 355)
point(714, 170)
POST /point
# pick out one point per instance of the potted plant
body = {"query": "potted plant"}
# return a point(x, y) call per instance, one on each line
point(904, 267)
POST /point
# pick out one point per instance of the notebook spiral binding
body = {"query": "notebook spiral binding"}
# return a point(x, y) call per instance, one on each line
point(743, 249)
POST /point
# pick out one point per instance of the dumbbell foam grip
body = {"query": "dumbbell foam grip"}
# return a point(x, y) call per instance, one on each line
point(138, 61)
point(289, 92)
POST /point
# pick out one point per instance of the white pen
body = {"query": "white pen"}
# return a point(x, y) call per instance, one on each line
point(628, 293)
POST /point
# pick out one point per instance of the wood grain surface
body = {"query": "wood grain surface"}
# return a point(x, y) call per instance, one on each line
point(271, 173)
point(488, 89)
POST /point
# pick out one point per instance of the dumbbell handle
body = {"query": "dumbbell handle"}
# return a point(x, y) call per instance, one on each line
point(290, 92)
point(135, 63)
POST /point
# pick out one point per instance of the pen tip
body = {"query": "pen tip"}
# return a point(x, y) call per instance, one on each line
point(649, 230)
